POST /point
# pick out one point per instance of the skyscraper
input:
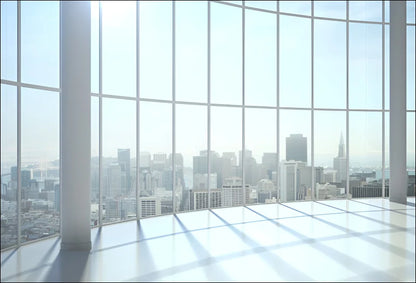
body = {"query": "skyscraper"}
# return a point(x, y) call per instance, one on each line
point(340, 162)
point(290, 180)
point(123, 158)
point(296, 148)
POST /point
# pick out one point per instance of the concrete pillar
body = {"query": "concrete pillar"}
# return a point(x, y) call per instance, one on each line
point(398, 174)
point(75, 124)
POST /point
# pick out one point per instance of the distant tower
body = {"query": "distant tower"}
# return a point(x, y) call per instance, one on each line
point(296, 148)
point(341, 147)
point(340, 162)
point(123, 158)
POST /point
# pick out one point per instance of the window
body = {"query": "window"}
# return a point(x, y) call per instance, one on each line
point(200, 105)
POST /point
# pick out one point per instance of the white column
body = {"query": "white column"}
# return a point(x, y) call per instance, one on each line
point(75, 124)
point(398, 174)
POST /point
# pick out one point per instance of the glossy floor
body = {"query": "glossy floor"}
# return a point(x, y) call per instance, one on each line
point(337, 240)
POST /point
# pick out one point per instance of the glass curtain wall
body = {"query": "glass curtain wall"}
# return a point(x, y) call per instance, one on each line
point(200, 105)
point(30, 144)
point(231, 106)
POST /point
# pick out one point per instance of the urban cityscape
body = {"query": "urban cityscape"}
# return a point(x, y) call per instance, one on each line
point(193, 188)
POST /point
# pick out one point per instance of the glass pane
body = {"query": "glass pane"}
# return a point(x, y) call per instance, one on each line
point(365, 154)
point(295, 61)
point(295, 7)
point(8, 165)
point(155, 159)
point(411, 154)
point(330, 59)
point(95, 46)
point(155, 41)
point(191, 43)
point(191, 190)
point(295, 148)
point(119, 152)
point(40, 43)
point(365, 72)
point(119, 47)
point(366, 10)
point(9, 40)
point(267, 5)
point(330, 154)
point(95, 161)
point(226, 54)
point(226, 142)
point(260, 160)
point(387, 150)
point(410, 70)
point(40, 207)
point(330, 9)
point(387, 67)
point(410, 10)
point(260, 58)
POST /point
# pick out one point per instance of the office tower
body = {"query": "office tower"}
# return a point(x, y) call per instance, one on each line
point(159, 161)
point(123, 158)
point(253, 172)
point(49, 185)
point(269, 163)
point(150, 206)
point(112, 209)
point(26, 176)
point(230, 156)
point(128, 208)
point(340, 162)
point(199, 199)
point(296, 148)
point(247, 154)
point(319, 175)
point(330, 176)
point(290, 180)
point(266, 191)
point(178, 160)
point(200, 181)
point(179, 174)
point(232, 192)
point(200, 164)
point(113, 180)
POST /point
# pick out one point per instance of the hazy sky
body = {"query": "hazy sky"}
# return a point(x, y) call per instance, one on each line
point(40, 65)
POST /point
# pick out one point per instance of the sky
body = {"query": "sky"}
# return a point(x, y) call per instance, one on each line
point(40, 65)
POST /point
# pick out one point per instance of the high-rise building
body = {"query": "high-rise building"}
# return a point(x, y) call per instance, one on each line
point(123, 158)
point(200, 181)
point(199, 199)
point(269, 162)
point(232, 192)
point(113, 180)
point(290, 180)
point(26, 176)
point(340, 162)
point(247, 154)
point(150, 206)
point(296, 148)
point(200, 164)
point(160, 161)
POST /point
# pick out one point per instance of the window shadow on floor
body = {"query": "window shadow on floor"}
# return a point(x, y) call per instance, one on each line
point(68, 266)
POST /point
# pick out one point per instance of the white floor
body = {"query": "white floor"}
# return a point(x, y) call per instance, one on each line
point(337, 240)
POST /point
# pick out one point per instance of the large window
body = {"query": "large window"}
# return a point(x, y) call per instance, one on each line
point(198, 105)
point(30, 97)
